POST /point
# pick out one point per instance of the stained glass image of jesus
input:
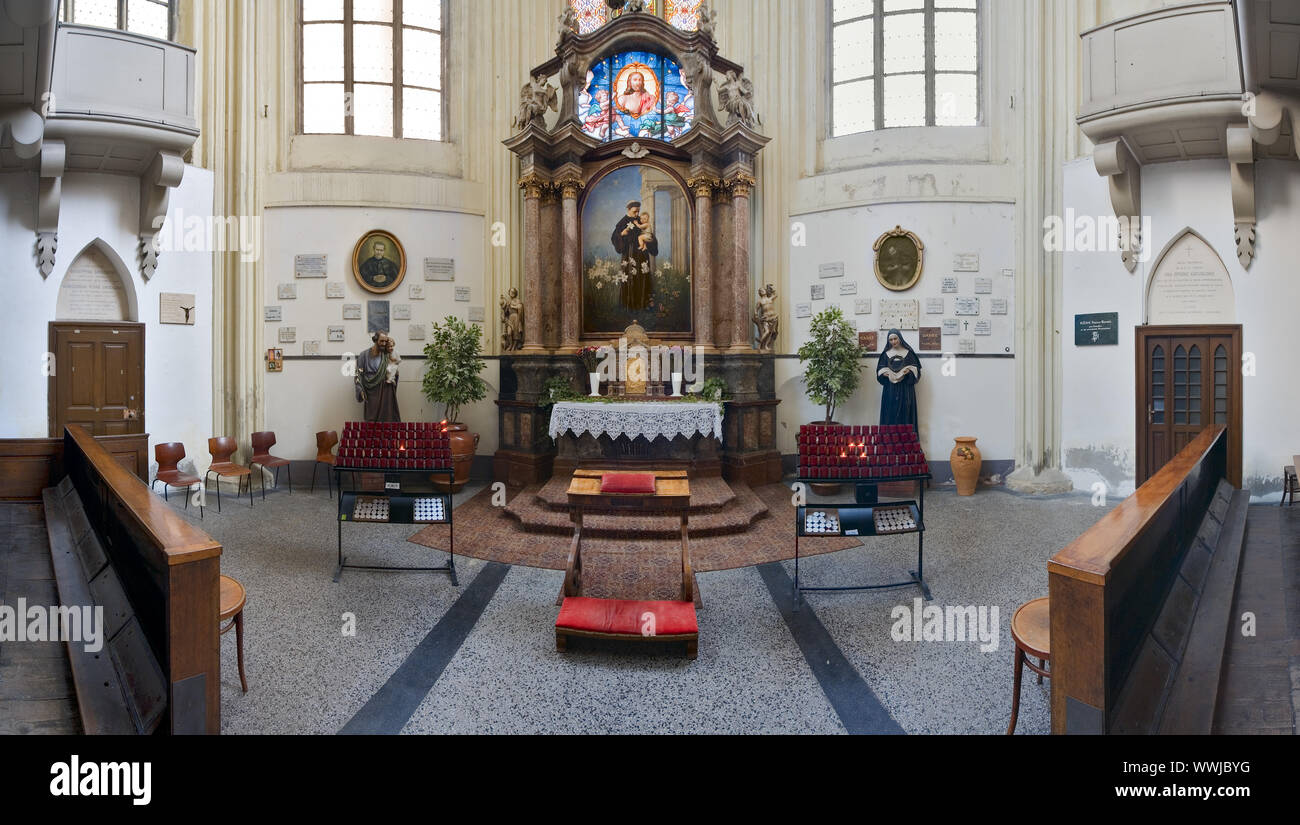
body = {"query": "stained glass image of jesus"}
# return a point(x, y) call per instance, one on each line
point(636, 101)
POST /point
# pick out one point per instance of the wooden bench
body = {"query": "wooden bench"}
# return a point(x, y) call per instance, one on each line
point(1141, 603)
point(116, 546)
point(627, 619)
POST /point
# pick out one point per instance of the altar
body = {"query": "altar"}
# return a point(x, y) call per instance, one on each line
point(683, 434)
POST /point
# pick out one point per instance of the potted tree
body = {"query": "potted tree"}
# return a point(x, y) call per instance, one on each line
point(832, 363)
point(451, 378)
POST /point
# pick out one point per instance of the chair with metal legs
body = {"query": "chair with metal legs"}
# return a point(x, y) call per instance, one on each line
point(326, 440)
point(262, 444)
point(168, 456)
point(221, 449)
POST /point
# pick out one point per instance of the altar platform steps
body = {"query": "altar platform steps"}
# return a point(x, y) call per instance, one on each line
point(722, 510)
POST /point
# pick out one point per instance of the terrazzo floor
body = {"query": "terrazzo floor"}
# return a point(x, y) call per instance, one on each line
point(307, 675)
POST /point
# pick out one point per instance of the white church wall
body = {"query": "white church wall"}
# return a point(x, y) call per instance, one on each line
point(313, 394)
point(977, 397)
point(1098, 424)
point(178, 358)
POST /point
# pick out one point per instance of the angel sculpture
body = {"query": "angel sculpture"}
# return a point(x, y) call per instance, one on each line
point(535, 97)
point(698, 73)
point(635, 6)
point(708, 18)
point(736, 94)
point(567, 22)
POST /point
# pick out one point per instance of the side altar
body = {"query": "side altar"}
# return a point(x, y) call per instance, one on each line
point(636, 144)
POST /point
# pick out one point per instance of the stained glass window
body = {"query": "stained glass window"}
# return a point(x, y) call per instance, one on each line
point(903, 63)
point(148, 17)
point(636, 94)
point(372, 67)
point(592, 14)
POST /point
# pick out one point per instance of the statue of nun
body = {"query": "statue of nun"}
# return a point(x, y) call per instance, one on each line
point(898, 370)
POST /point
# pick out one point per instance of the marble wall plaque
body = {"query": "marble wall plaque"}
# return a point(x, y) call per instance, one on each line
point(287, 292)
point(309, 265)
point(904, 314)
point(997, 306)
point(311, 346)
point(803, 310)
point(862, 306)
point(92, 290)
point(416, 292)
point(1190, 285)
point(462, 294)
point(934, 306)
point(176, 308)
point(476, 314)
point(951, 326)
point(336, 334)
point(966, 306)
point(818, 292)
point(831, 270)
point(334, 289)
point(271, 313)
point(288, 335)
point(439, 269)
point(415, 332)
point(401, 312)
point(949, 283)
point(966, 346)
point(966, 262)
point(983, 286)
point(352, 312)
point(848, 287)
point(984, 327)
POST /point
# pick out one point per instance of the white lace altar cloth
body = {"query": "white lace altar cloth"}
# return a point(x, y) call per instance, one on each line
point(633, 418)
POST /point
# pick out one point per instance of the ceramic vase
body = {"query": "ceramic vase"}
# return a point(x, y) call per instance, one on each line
point(965, 470)
point(594, 378)
point(677, 385)
point(463, 445)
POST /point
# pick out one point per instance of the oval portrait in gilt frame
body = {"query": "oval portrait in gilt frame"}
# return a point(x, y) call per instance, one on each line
point(899, 258)
point(378, 262)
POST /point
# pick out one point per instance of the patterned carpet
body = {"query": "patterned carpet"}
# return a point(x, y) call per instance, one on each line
point(626, 568)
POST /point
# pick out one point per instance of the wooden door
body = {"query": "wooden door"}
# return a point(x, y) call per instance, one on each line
point(98, 377)
point(1188, 378)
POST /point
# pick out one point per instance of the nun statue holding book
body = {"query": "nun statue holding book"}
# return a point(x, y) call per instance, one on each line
point(898, 370)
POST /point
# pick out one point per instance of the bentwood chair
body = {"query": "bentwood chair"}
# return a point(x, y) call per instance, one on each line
point(233, 597)
point(1290, 485)
point(221, 449)
point(168, 456)
point(262, 444)
point(1030, 629)
point(325, 443)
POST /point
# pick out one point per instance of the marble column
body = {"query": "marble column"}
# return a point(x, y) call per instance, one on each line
point(532, 187)
point(571, 266)
point(741, 338)
point(721, 268)
point(702, 274)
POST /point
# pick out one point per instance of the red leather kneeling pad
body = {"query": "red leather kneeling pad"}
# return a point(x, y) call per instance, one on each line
point(624, 616)
point(627, 483)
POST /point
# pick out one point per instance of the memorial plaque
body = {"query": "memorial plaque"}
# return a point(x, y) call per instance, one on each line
point(949, 283)
point(951, 326)
point(476, 314)
point(334, 289)
point(966, 262)
point(803, 310)
point(862, 306)
point(176, 308)
point(415, 332)
point(966, 346)
point(1190, 285)
point(439, 269)
point(311, 347)
point(1096, 329)
point(983, 327)
point(966, 306)
point(287, 292)
point(91, 290)
point(462, 294)
point(849, 288)
point(931, 338)
point(416, 292)
point(899, 314)
point(309, 265)
point(983, 286)
point(288, 335)
point(352, 312)
point(271, 313)
point(933, 306)
point(377, 316)
point(831, 270)
point(401, 312)
point(336, 334)
point(997, 306)
point(1008, 273)
point(867, 340)
point(818, 292)
point(853, 323)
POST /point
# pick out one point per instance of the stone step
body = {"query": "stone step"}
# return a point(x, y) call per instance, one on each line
point(536, 516)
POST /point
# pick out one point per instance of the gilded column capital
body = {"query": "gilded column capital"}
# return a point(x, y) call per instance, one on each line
point(741, 185)
point(569, 188)
point(550, 192)
point(533, 185)
point(703, 186)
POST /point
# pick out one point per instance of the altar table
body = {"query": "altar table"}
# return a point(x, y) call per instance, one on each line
point(650, 419)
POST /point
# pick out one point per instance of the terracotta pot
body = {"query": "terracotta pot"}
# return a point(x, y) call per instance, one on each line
point(819, 488)
point(965, 471)
point(463, 445)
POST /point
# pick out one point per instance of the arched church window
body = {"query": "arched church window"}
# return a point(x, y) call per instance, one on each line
point(636, 94)
point(903, 63)
point(154, 18)
point(682, 14)
point(372, 67)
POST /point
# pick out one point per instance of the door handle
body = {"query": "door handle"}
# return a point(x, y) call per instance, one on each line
point(1150, 412)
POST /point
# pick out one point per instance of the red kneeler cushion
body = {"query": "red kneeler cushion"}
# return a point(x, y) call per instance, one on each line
point(627, 483)
point(624, 616)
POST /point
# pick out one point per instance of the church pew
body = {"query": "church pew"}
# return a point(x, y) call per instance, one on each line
point(1141, 603)
point(116, 545)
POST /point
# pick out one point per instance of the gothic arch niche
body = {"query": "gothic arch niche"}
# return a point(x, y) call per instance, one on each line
point(96, 287)
point(1189, 284)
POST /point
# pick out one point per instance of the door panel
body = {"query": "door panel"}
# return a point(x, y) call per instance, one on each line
point(98, 379)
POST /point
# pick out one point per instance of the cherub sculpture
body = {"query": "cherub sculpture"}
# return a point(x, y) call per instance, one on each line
point(736, 94)
point(708, 18)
